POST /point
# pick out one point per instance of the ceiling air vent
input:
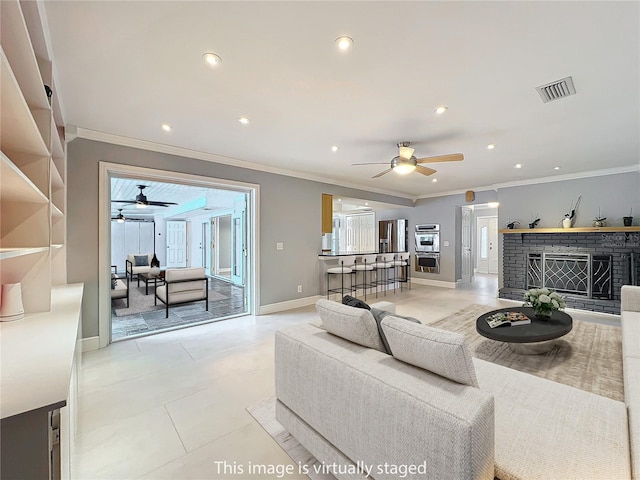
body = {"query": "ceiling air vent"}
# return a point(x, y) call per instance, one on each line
point(556, 90)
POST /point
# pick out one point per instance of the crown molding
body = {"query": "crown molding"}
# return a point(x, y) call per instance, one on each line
point(88, 134)
point(535, 181)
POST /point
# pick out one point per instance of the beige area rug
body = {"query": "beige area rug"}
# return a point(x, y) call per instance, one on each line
point(265, 414)
point(589, 357)
point(141, 303)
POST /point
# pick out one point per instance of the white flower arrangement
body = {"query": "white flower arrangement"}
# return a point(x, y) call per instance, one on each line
point(543, 300)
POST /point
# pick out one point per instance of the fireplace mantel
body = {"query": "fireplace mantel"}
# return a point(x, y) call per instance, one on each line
point(570, 230)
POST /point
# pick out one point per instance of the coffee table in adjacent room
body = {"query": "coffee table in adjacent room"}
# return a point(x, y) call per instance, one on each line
point(154, 278)
point(532, 339)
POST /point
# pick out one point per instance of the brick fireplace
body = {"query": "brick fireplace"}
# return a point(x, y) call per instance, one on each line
point(586, 267)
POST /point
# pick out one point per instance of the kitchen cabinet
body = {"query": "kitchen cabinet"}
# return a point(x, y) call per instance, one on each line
point(327, 213)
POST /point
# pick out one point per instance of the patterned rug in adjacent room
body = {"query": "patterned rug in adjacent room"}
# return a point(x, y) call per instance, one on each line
point(589, 357)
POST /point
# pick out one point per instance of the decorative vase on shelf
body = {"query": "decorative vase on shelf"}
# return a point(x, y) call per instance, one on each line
point(628, 221)
point(543, 314)
point(566, 222)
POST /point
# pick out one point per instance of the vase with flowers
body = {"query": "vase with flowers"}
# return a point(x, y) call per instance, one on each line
point(544, 302)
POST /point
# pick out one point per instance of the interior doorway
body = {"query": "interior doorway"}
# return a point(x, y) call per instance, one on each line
point(182, 212)
point(487, 245)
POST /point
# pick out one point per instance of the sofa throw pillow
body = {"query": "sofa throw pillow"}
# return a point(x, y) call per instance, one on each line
point(354, 302)
point(114, 279)
point(354, 324)
point(439, 351)
point(379, 315)
point(140, 260)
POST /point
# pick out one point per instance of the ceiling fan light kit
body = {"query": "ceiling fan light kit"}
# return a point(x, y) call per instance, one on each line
point(406, 163)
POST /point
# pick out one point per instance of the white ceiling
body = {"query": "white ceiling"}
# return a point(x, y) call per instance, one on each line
point(124, 68)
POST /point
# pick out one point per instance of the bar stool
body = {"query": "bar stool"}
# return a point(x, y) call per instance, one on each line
point(384, 263)
point(402, 264)
point(345, 268)
point(364, 264)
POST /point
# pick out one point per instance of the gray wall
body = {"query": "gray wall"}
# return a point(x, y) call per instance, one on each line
point(290, 212)
point(615, 195)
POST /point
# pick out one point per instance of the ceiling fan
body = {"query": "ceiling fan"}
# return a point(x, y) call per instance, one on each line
point(406, 162)
point(142, 202)
point(120, 218)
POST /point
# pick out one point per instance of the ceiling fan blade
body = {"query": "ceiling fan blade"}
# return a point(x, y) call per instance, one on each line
point(406, 152)
point(161, 204)
point(453, 157)
point(382, 173)
point(131, 202)
point(371, 163)
point(425, 170)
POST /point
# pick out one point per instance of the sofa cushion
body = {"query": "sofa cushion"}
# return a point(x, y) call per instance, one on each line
point(630, 298)
point(545, 429)
point(439, 351)
point(630, 322)
point(354, 324)
point(140, 260)
point(354, 302)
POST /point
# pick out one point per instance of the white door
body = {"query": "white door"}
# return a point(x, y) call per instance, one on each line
point(238, 241)
point(367, 233)
point(493, 245)
point(176, 243)
point(482, 253)
point(467, 270)
point(351, 233)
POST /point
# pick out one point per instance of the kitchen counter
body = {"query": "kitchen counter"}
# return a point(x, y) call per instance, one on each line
point(331, 255)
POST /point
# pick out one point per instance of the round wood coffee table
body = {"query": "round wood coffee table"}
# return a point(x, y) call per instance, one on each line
point(532, 339)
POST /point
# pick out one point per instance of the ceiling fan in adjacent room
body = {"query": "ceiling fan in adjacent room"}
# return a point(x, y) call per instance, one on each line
point(406, 162)
point(120, 218)
point(142, 202)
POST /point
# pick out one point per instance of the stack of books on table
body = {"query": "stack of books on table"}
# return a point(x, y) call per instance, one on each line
point(507, 318)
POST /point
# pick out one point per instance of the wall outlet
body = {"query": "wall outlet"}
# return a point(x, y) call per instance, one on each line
point(279, 246)
point(299, 288)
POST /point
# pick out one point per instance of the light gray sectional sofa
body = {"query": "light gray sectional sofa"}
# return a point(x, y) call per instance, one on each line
point(430, 411)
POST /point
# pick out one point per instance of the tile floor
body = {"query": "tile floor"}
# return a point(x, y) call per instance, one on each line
point(170, 406)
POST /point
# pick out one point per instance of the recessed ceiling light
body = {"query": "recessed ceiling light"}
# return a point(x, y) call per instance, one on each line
point(556, 168)
point(435, 180)
point(166, 127)
point(518, 165)
point(441, 110)
point(212, 59)
point(344, 43)
point(334, 149)
point(491, 146)
point(339, 199)
point(366, 204)
point(244, 120)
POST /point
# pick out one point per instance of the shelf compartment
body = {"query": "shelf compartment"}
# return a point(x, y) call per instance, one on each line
point(7, 253)
point(57, 150)
point(56, 179)
point(18, 49)
point(24, 224)
point(16, 186)
point(33, 270)
point(56, 213)
point(20, 132)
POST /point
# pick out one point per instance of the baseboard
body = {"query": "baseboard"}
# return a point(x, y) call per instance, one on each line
point(433, 283)
point(288, 305)
point(90, 343)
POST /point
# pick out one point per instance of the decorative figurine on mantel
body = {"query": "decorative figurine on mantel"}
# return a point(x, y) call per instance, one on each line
point(599, 221)
point(628, 221)
point(512, 225)
point(534, 224)
point(567, 222)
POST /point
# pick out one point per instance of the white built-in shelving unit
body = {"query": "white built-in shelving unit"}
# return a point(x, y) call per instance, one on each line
point(40, 352)
point(32, 161)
